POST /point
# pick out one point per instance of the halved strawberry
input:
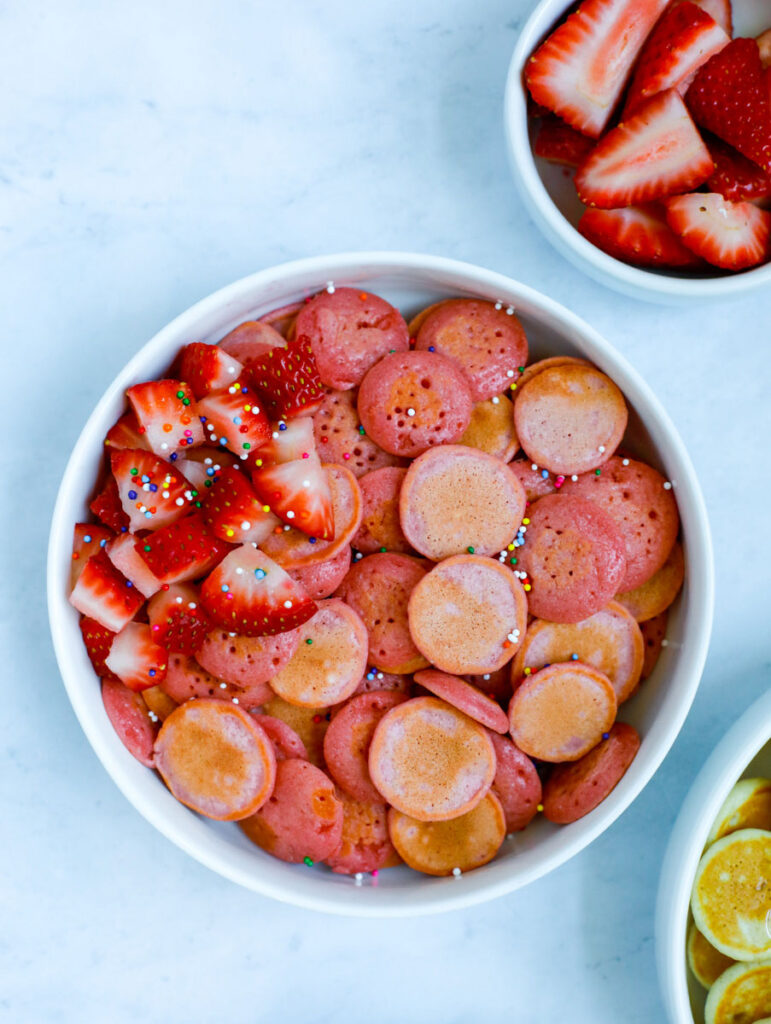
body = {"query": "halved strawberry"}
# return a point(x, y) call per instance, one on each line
point(152, 493)
point(764, 47)
point(638, 235)
point(208, 368)
point(684, 38)
point(558, 142)
point(167, 414)
point(201, 466)
point(177, 619)
point(656, 153)
point(729, 235)
point(249, 594)
point(736, 177)
point(288, 441)
point(721, 11)
point(124, 556)
point(233, 511)
point(125, 433)
point(136, 659)
point(107, 507)
point(104, 594)
point(582, 68)
point(288, 378)
point(87, 539)
point(98, 641)
point(185, 550)
point(235, 418)
point(298, 493)
point(250, 341)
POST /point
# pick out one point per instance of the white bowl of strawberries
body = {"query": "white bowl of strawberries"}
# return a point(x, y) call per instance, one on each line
point(639, 134)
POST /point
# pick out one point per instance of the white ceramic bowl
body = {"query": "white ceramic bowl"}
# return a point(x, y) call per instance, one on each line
point(410, 282)
point(745, 751)
point(551, 200)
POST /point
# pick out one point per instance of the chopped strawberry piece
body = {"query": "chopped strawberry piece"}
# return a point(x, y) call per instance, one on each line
point(729, 235)
point(288, 441)
point(185, 550)
point(289, 380)
point(87, 539)
point(639, 235)
point(136, 659)
point(177, 619)
point(298, 493)
point(201, 466)
point(235, 418)
point(582, 68)
point(558, 142)
point(251, 340)
point(208, 368)
point(764, 47)
point(233, 511)
point(107, 507)
point(104, 594)
point(657, 152)
point(125, 433)
point(152, 493)
point(736, 177)
point(249, 594)
point(721, 11)
point(167, 415)
point(123, 554)
point(98, 641)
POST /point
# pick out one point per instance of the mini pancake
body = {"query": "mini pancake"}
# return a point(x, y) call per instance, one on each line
point(516, 784)
point(731, 898)
point(444, 847)
point(292, 549)
point(286, 742)
point(488, 344)
point(414, 325)
point(534, 483)
point(741, 995)
point(654, 633)
point(321, 579)
point(310, 724)
point(467, 615)
point(546, 364)
point(643, 509)
point(456, 499)
point(574, 556)
point(430, 761)
point(340, 437)
point(656, 594)
point(491, 428)
point(329, 660)
point(185, 678)
point(158, 702)
point(251, 340)
point(380, 526)
point(303, 817)
point(706, 962)
point(246, 661)
point(464, 697)
point(216, 759)
point(130, 719)
point(283, 319)
point(379, 588)
point(570, 418)
point(562, 712)
point(411, 401)
point(610, 641)
point(376, 680)
point(365, 845)
point(573, 790)
point(748, 805)
point(495, 684)
point(348, 738)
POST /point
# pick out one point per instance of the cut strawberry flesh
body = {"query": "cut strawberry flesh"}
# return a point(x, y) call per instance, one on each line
point(251, 340)
point(208, 368)
point(98, 641)
point(733, 236)
point(288, 441)
point(104, 594)
point(201, 466)
point(235, 418)
point(152, 493)
point(289, 380)
point(638, 235)
point(167, 416)
point(298, 493)
point(87, 539)
point(233, 511)
point(561, 144)
point(136, 659)
point(107, 507)
point(125, 433)
point(736, 177)
point(185, 550)
point(123, 554)
point(721, 11)
point(177, 619)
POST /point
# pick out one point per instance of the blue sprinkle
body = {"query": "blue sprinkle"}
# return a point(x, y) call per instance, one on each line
point(312, 540)
point(606, 735)
point(173, 456)
point(202, 419)
point(148, 514)
point(431, 348)
point(124, 529)
point(190, 440)
point(153, 487)
point(224, 588)
point(151, 672)
point(102, 543)
point(574, 657)
point(223, 440)
point(370, 675)
point(282, 426)
point(237, 420)
point(244, 391)
point(87, 538)
point(260, 574)
point(545, 474)
point(210, 471)
point(129, 583)
point(145, 478)
point(132, 494)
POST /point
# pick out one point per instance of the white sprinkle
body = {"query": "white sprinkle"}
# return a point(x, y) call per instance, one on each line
point(667, 486)
point(224, 686)
point(410, 412)
point(180, 501)
point(357, 878)
point(486, 675)
point(232, 370)
point(192, 604)
point(164, 494)
point(152, 716)
point(232, 390)
point(380, 675)
point(331, 287)
point(274, 435)
point(235, 700)
point(306, 483)
point(239, 571)
point(510, 311)
point(496, 400)
point(245, 524)
point(290, 514)
point(164, 447)
point(574, 478)
point(207, 461)
point(286, 527)
point(625, 462)
point(510, 835)
point(665, 643)
point(601, 449)
point(509, 373)
point(513, 637)
point(533, 466)
point(145, 487)
point(244, 456)
point(287, 604)
point(499, 305)
point(456, 872)
point(358, 556)
point(178, 600)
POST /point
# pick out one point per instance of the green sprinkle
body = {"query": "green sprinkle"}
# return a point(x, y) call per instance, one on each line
point(470, 550)
point(246, 445)
point(512, 561)
point(147, 547)
point(597, 472)
point(308, 861)
point(521, 369)
point(197, 504)
point(180, 394)
point(186, 401)
point(134, 471)
point(309, 641)
point(361, 430)
point(383, 551)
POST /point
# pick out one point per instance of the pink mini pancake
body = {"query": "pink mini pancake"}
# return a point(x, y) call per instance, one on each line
point(384, 681)
point(430, 761)
point(656, 595)
point(246, 661)
point(468, 614)
point(250, 341)
point(329, 661)
point(488, 344)
point(414, 325)
point(185, 678)
point(534, 483)
point(411, 401)
point(302, 819)
point(310, 724)
point(323, 578)
point(348, 738)
point(573, 790)
point(129, 716)
point(654, 633)
point(491, 428)
point(349, 330)
point(516, 784)
point(643, 509)
point(365, 845)
point(380, 526)
point(216, 759)
point(378, 588)
point(561, 712)
point(570, 418)
point(338, 437)
point(283, 319)
point(456, 499)
point(546, 364)
point(574, 556)
point(464, 697)
point(286, 742)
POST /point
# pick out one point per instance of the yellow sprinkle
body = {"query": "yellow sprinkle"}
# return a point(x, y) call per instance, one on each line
point(259, 462)
point(230, 532)
point(513, 387)
point(528, 587)
point(539, 808)
point(510, 547)
point(525, 522)
point(266, 508)
point(528, 671)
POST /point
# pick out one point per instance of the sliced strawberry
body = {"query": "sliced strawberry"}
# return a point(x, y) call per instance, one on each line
point(558, 142)
point(736, 177)
point(730, 97)
point(201, 466)
point(582, 68)
point(208, 368)
point(98, 641)
point(656, 153)
point(729, 235)
point(104, 594)
point(152, 493)
point(298, 493)
point(136, 659)
point(233, 511)
point(721, 11)
point(125, 433)
point(249, 594)
point(123, 554)
point(251, 340)
point(87, 539)
point(289, 380)
point(288, 441)
point(177, 619)
point(185, 550)
point(107, 507)
point(167, 415)
point(764, 46)
point(684, 39)
point(638, 235)
point(235, 418)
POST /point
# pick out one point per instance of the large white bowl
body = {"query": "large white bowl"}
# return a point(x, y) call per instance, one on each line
point(411, 282)
point(745, 751)
point(550, 197)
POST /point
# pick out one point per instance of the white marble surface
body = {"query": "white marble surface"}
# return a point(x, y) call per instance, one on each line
point(149, 153)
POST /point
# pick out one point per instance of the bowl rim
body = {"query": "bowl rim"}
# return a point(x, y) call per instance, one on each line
point(253, 289)
point(633, 281)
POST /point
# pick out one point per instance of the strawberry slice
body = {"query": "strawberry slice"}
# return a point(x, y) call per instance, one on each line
point(735, 177)
point(298, 493)
point(152, 493)
point(637, 234)
point(98, 641)
point(730, 97)
point(234, 418)
point(201, 466)
point(684, 39)
point(764, 47)
point(123, 554)
point(208, 368)
point(582, 68)
point(561, 144)
point(233, 512)
point(87, 539)
point(249, 594)
point(250, 341)
point(177, 620)
point(729, 235)
point(166, 414)
point(125, 433)
point(656, 153)
point(288, 441)
point(104, 594)
point(136, 659)
point(107, 507)
point(289, 380)
point(721, 11)
point(184, 550)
